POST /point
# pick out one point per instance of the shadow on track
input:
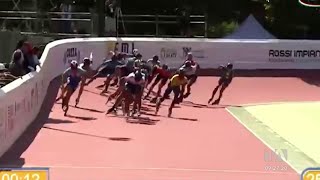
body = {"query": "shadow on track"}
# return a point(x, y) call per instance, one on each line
point(58, 121)
point(196, 105)
point(137, 120)
point(143, 120)
point(97, 93)
point(184, 119)
point(82, 117)
point(82, 108)
point(178, 118)
point(88, 109)
point(90, 135)
point(311, 80)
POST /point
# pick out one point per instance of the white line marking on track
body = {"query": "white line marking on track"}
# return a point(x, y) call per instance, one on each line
point(161, 169)
point(298, 171)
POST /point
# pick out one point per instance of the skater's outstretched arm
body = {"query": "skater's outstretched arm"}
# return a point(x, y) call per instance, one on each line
point(93, 78)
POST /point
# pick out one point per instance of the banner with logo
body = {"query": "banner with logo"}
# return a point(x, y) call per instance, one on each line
point(244, 54)
point(71, 54)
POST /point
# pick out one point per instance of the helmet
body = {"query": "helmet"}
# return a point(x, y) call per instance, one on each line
point(165, 67)
point(111, 53)
point(230, 65)
point(135, 51)
point(137, 76)
point(188, 63)
point(114, 57)
point(120, 56)
point(86, 60)
point(74, 64)
point(155, 57)
point(138, 56)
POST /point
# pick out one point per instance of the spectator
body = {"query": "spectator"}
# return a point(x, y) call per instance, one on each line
point(16, 66)
point(5, 76)
point(184, 19)
point(20, 44)
point(28, 63)
point(66, 9)
point(36, 56)
point(23, 48)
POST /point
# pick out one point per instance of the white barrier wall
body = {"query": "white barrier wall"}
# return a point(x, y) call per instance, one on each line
point(21, 100)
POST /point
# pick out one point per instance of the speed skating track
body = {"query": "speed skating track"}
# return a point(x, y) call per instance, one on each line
point(199, 142)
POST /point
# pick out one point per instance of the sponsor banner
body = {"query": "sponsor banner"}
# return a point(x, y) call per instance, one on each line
point(124, 47)
point(71, 54)
point(167, 53)
point(197, 53)
point(22, 99)
point(300, 56)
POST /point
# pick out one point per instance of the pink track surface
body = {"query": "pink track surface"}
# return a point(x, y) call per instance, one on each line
point(198, 143)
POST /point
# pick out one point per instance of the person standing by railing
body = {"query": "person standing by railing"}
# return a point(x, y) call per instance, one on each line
point(36, 56)
point(66, 8)
point(29, 62)
point(16, 65)
point(184, 20)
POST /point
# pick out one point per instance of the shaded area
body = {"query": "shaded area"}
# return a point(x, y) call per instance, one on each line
point(82, 117)
point(184, 119)
point(58, 121)
point(196, 105)
point(143, 120)
point(178, 118)
point(312, 80)
point(88, 109)
point(83, 108)
point(12, 156)
point(90, 135)
point(104, 94)
point(138, 120)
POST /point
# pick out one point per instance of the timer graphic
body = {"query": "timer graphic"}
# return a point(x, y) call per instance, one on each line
point(24, 173)
point(311, 174)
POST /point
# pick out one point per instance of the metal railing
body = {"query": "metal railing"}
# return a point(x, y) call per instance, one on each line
point(162, 20)
point(40, 22)
point(47, 23)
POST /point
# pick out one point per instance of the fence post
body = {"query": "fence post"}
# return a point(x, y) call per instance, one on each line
point(157, 25)
point(100, 7)
point(206, 24)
